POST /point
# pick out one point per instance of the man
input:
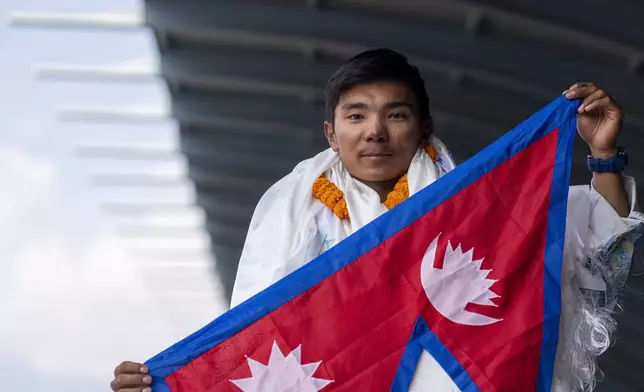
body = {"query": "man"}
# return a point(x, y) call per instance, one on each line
point(382, 150)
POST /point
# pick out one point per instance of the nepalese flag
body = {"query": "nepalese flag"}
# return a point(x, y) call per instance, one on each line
point(467, 269)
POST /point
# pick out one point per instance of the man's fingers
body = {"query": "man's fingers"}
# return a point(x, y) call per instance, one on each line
point(579, 84)
point(580, 90)
point(594, 97)
point(146, 389)
point(598, 104)
point(131, 368)
point(124, 380)
point(570, 88)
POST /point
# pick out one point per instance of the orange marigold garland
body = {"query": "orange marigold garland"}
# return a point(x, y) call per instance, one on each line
point(329, 194)
point(399, 194)
point(431, 151)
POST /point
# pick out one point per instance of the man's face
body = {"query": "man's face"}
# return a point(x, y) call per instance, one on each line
point(377, 130)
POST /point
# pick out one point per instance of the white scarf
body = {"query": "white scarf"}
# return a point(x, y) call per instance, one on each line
point(283, 224)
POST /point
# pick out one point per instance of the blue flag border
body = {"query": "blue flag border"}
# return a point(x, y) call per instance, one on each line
point(422, 338)
point(561, 114)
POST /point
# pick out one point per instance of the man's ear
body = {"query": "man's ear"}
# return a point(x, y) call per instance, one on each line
point(426, 130)
point(329, 132)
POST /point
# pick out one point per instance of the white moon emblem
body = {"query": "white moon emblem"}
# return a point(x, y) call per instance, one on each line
point(461, 281)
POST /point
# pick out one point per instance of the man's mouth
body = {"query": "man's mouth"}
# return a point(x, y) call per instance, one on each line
point(377, 154)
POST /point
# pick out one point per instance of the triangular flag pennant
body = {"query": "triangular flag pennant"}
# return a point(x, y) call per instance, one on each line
point(467, 270)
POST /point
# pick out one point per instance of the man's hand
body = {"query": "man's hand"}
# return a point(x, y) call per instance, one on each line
point(599, 120)
point(131, 377)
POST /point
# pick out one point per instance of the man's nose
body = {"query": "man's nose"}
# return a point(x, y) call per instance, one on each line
point(377, 132)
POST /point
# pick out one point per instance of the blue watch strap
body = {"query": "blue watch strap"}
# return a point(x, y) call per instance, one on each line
point(612, 165)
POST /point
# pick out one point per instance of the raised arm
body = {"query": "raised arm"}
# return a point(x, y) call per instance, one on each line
point(599, 122)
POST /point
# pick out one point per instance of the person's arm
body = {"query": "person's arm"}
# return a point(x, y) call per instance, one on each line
point(599, 123)
point(611, 187)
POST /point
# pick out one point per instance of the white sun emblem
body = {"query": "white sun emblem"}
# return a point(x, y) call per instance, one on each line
point(461, 281)
point(282, 374)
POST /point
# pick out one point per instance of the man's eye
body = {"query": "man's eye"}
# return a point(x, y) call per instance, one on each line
point(398, 116)
point(355, 117)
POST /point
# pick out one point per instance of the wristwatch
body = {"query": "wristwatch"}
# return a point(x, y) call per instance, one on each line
point(611, 165)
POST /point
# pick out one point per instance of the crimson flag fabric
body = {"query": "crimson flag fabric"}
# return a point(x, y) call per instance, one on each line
point(467, 269)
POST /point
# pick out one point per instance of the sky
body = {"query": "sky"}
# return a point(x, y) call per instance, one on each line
point(76, 298)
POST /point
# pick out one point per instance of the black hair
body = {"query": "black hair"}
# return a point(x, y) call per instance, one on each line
point(376, 65)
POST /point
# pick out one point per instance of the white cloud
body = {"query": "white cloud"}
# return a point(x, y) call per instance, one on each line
point(66, 309)
point(27, 179)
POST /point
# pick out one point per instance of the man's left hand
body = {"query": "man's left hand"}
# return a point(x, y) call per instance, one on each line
point(599, 118)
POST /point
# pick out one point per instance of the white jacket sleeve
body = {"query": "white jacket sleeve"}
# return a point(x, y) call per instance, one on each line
point(598, 254)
